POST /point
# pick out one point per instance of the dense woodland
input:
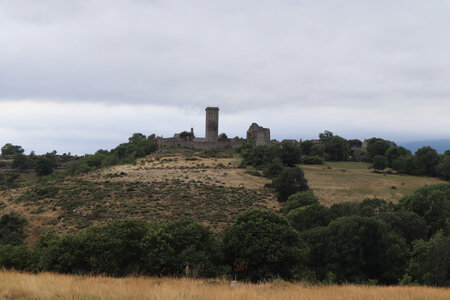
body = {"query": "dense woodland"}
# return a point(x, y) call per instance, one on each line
point(371, 241)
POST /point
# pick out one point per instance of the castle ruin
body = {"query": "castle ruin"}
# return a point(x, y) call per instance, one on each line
point(256, 133)
point(212, 124)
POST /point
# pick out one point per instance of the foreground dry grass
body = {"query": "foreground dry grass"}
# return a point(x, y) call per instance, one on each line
point(15, 285)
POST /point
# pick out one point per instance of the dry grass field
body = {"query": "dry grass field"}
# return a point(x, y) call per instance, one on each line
point(15, 285)
point(353, 181)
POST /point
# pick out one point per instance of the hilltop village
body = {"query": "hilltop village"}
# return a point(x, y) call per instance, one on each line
point(259, 136)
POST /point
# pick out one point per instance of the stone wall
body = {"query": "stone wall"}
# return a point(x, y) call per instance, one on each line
point(259, 135)
point(200, 145)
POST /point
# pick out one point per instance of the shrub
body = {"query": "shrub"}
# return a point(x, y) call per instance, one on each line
point(300, 199)
point(290, 181)
point(312, 160)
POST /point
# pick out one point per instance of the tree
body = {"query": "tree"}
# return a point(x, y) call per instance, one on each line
point(261, 245)
point(115, 249)
point(12, 229)
point(428, 159)
point(310, 216)
point(377, 146)
point(443, 169)
point(290, 181)
point(274, 168)
point(23, 162)
point(185, 135)
point(393, 153)
point(9, 149)
point(357, 249)
point(290, 154)
point(336, 147)
point(430, 261)
point(300, 199)
point(371, 207)
point(223, 137)
point(406, 224)
point(343, 209)
point(174, 247)
point(44, 166)
point(379, 162)
point(355, 143)
point(306, 146)
point(432, 202)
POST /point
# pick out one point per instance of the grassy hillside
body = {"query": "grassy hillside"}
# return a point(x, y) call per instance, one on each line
point(183, 183)
point(14, 285)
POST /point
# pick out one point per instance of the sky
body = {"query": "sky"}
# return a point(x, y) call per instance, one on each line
point(82, 75)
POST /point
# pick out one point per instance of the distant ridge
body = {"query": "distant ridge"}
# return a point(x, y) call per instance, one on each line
point(440, 145)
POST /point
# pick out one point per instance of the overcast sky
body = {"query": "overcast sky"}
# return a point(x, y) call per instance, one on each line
point(82, 75)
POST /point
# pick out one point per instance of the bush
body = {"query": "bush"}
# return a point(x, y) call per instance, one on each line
point(300, 199)
point(44, 166)
point(290, 181)
point(15, 257)
point(12, 229)
point(22, 162)
point(379, 162)
point(312, 160)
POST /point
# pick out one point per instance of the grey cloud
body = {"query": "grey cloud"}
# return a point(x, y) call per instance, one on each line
point(230, 53)
point(99, 70)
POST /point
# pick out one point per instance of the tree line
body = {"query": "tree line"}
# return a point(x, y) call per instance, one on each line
point(373, 241)
point(380, 153)
point(138, 145)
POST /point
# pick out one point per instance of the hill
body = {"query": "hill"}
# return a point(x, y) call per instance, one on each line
point(184, 183)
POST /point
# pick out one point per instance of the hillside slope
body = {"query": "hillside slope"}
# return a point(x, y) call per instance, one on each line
point(182, 183)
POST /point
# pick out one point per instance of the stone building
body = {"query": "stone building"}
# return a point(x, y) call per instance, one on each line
point(259, 135)
point(212, 124)
point(209, 142)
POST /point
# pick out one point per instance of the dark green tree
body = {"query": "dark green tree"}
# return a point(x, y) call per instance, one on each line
point(379, 162)
point(10, 149)
point(261, 245)
point(310, 216)
point(223, 137)
point(290, 181)
point(360, 248)
point(300, 199)
point(428, 159)
point(178, 246)
point(336, 147)
point(23, 162)
point(290, 154)
point(44, 166)
point(443, 169)
point(377, 146)
point(430, 261)
point(12, 229)
point(432, 202)
point(407, 224)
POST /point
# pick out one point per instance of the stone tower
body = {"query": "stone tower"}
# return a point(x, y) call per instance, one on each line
point(212, 124)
